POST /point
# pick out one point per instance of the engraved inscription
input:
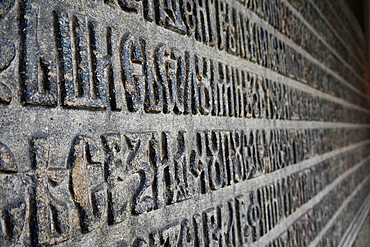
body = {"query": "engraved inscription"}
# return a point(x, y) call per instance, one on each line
point(132, 173)
point(51, 219)
point(87, 185)
point(181, 123)
point(38, 72)
point(77, 58)
point(80, 62)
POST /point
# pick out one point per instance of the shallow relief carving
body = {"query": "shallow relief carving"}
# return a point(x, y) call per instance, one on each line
point(70, 63)
point(115, 178)
point(13, 198)
point(76, 65)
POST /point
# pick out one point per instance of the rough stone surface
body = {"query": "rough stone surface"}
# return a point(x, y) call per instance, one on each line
point(182, 123)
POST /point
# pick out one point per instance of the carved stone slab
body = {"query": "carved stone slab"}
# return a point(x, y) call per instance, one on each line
point(181, 123)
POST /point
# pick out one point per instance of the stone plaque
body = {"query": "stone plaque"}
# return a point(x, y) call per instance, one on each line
point(182, 123)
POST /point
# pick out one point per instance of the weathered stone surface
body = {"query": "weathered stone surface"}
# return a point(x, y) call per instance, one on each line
point(181, 123)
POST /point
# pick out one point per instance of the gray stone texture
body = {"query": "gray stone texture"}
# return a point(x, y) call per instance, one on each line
point(182, 123)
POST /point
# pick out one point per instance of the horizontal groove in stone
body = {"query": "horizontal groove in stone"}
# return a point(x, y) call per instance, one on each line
point(354, 45)
point(66, 118)
point(157, 219)
point(277, 231)
point(350, 19)
point(263, 23)
point(324, 40)
point(351, 233)
point(337, 213)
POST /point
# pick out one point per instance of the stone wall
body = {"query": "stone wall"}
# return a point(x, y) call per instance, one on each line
point(182, 123)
